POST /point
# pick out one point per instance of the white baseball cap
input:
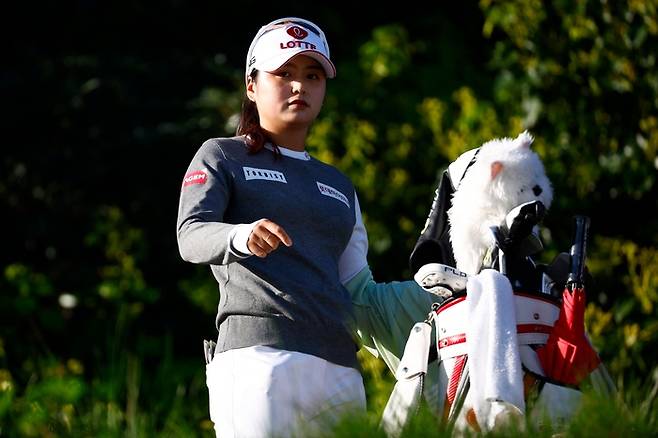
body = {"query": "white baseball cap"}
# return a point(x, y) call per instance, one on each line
point(278, 41)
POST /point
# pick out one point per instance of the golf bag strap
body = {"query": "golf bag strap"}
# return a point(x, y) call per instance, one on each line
point(407, 394)
point(416, 352)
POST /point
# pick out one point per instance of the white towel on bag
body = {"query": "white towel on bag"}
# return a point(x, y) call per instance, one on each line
point(494, 363)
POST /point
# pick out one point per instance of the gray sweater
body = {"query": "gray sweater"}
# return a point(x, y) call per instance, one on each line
point(293, 299)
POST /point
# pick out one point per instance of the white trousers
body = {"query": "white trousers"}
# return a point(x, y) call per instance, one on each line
point(265, 392)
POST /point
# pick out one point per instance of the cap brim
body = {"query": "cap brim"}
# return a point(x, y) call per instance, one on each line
point(276, 62)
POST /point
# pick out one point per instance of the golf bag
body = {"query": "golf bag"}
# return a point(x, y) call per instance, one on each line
point(529, 354)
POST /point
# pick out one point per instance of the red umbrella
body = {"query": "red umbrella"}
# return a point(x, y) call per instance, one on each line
point(568, 356)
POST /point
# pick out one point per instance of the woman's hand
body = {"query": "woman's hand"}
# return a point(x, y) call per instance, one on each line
point(265, 237)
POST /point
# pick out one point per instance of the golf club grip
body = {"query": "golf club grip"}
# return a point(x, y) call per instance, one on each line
point(578, 250)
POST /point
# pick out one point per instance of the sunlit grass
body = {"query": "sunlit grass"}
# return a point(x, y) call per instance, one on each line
point(132, 399)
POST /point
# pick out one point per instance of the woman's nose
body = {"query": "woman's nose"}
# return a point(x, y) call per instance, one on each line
point(297, 87)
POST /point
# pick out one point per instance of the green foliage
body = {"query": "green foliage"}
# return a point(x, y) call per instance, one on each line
point(59, 402)
point(29, 287)
point(201, 290)
point(588, 70)
point(101, 391)
point(628, 330)
point(378, 380)
point(123, 247)
point(387, 54)
point(47, 407)
point(609, 417)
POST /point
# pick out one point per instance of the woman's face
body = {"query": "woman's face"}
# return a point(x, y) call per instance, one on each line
point(290, 96)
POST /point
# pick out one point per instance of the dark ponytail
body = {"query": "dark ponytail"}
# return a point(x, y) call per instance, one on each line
point(249, 125)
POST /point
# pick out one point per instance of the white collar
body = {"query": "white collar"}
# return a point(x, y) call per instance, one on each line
point(298, 155)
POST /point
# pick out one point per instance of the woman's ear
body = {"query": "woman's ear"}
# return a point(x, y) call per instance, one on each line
point(250, 89)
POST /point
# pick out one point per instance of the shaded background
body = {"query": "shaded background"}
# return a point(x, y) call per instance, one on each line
point(106, 103)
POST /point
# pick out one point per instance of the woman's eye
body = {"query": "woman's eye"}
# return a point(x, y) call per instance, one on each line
point(313, 76)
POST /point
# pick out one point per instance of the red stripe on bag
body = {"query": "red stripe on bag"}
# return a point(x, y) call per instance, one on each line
point(455, 377)
point(452, 340)
point(534, 328)
point(520, 328)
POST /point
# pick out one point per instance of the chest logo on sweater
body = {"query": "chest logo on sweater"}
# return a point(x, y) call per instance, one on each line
point(332, 193)
point(266, 174)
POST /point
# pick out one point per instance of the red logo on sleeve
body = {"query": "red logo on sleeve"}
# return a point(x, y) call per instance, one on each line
point(196, 177)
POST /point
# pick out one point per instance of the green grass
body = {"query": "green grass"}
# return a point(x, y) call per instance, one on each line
point(626, 415)
point(128, 396)
point(127, 404)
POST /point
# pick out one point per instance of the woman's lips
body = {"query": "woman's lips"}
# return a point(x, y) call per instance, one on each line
point(298, 102)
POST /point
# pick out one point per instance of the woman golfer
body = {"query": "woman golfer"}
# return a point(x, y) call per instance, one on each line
point(282, 233)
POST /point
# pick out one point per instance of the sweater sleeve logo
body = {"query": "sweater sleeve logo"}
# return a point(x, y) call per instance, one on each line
point(332, 193)
point(196, 177)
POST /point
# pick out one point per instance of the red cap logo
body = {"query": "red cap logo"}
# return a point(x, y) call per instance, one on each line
point(297, 32)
